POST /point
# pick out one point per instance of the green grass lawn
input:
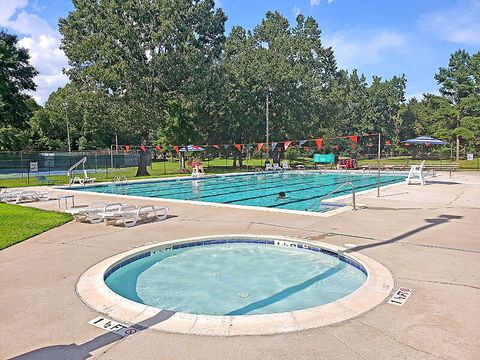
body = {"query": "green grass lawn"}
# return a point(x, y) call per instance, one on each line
point(18, 223)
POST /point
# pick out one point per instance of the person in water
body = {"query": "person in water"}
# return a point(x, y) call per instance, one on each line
point(281, 195)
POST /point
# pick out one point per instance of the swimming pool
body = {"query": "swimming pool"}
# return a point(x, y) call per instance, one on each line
point(236, 277)
point(252, 285)
point(303, 189)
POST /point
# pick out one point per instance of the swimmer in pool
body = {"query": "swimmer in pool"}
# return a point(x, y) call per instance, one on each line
point(281, 195)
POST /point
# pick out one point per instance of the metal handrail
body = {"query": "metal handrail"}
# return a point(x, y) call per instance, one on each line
point(338, 188)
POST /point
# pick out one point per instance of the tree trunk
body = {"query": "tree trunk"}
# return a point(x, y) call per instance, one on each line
point(143, 161)
point(457, 157)
point(240, 160)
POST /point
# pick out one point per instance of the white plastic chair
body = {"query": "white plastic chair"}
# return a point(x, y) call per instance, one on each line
point(276, 167)
point(90, 213)
point(285, 165)
point(268, 167)
point(415, 176)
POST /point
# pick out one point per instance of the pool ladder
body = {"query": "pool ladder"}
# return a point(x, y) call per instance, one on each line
point(121, 183)
point(335, 190)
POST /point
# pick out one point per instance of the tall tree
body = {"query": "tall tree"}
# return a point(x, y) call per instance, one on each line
point(16, 77)
point(142, 55)
point(459, 83)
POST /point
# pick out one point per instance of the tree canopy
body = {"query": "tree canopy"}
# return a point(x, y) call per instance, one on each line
point(16, 107)
point(165, 72)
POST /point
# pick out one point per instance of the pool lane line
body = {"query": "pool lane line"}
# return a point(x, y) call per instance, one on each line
point(339, 192)
point(336, 182)
point(187, 185)
point(299, 200)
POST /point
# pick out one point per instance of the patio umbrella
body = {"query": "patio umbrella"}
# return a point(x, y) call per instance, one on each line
point(192, 148)
point(423, 140)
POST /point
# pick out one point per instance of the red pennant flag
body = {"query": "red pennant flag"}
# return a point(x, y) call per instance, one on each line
point(143, 148)
point(287, 144)
point(238, 146)
point(319, 143)
point(158, 147)
point(354, 146)
point(307, 148)
point(216, 146)
point(176, 148)
point(259, 146)
point(127, 148)
point(388, 143)
point(354, 138)
point(337, 147)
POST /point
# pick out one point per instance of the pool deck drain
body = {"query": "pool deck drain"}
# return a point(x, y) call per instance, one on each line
point(427, 236)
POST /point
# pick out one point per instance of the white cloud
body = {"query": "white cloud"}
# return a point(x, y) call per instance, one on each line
point(457, 24)
point(317, 2)
point(296, 11)
point(353, 50)
point(43, 44)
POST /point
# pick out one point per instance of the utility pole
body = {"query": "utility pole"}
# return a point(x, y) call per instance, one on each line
point(68, 129)
point(267, 131)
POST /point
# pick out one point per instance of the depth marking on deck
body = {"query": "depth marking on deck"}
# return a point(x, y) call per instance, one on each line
point(400, 296)
point(113, 326)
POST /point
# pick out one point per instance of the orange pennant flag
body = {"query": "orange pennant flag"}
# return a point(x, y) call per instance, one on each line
point(238, 146)
point(127, 148)
point(259, 146)
point(158, 148)
point(143, 148)
point(176, 148)
point(354, 138)
point(319, 143)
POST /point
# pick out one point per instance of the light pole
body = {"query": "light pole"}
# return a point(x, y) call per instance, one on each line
point(266, 117)
point(68, 129)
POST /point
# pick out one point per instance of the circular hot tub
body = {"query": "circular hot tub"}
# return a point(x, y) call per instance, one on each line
point(234, 285)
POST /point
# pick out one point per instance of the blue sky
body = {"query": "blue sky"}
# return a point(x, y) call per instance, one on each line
point(384, 38)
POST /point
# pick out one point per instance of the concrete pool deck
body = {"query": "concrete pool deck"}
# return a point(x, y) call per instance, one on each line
point(429, 238)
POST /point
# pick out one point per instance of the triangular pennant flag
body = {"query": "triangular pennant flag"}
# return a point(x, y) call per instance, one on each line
point(259, 146)
point(388, 143)
point(307, 148)
point(127, 148)
point(176, 148)
point(302, 142)
point(274, 144)
point(337, 147)
point(319, 143)
point(158, 147)
point(354, 138)
point(287, 144)
point(238, 146)
point(216, 146)
point(143, 148)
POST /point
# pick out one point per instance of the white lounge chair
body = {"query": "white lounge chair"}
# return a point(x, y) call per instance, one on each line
point(129, 215)
point(6, 195)
point(90, 213)
point(285, 165)
point(85, 180)
point(268, 167)
point(21, 196)
point(415, 176)
point(276, 167)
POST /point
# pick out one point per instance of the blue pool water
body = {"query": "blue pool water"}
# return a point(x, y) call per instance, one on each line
point(236, 279)
point(303, 189)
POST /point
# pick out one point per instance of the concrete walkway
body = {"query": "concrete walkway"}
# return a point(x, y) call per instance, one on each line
point(429, 237)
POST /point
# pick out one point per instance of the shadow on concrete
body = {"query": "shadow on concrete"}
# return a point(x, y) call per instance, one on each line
point(288, 291)
point(442, 219)
point(83, 351)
